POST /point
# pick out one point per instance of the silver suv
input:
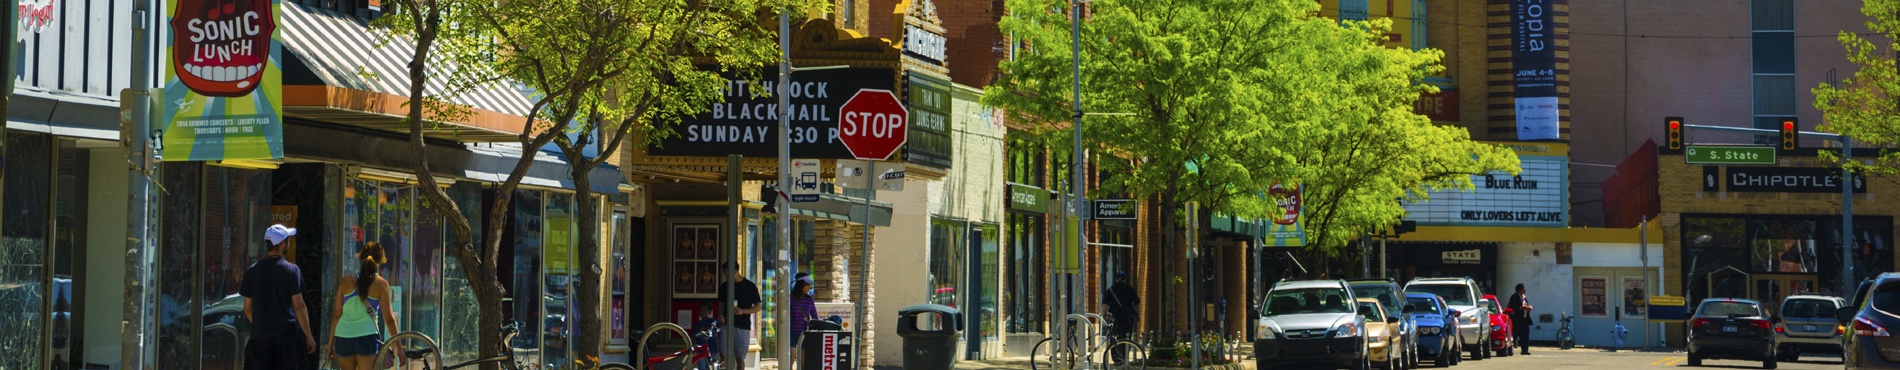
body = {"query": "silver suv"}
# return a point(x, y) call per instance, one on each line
point(1808, 326)
point(1312, 323)
point(1461, 293)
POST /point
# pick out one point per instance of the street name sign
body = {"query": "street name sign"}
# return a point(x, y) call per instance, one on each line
point(1728, 154)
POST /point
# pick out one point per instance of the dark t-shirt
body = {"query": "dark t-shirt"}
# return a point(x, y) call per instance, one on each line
point(269, 283)
point(1121, 300)
point(748, 298)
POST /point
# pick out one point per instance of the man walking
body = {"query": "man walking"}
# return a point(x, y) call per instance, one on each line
point(740, 329)
point(1521, 319)
point(273, 302)
point(1122, 301)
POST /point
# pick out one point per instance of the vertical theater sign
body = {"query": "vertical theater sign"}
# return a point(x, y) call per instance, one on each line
point(223, 90)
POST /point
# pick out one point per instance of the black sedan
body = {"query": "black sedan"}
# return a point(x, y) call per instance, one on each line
point(1731, 328)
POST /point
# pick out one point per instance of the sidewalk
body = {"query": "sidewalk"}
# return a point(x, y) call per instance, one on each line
point(1022, 362)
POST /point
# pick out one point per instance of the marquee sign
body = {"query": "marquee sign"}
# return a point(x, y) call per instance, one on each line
point(1538, 196)
point(746, 122)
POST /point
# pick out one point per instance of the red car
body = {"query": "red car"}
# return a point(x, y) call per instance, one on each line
point(1502, 339)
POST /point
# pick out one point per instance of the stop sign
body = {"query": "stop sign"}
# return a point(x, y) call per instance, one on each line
point(873, 124)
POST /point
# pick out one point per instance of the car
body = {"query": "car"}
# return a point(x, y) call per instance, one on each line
point(1871, 322)
point(1388, 293)
point(1310, 323)
point(1385, 346)
point(1462, 294)
point(1732, 329)
point(1502, 338)
point(1437, 328)
point(1808, 326)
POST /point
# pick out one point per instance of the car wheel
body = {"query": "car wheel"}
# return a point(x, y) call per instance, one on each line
point(1768, 363)
point(1477, 351)
point(1694, 360)
point(1456, 354)
point(1792, 356)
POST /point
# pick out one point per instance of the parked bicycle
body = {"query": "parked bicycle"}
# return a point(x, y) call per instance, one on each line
point(428, 352)
point(1565, 339)
point(702, 354)
point(1070, 351)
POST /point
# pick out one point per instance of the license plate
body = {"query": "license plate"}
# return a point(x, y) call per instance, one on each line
point(1728, 329)
point(1807, 327)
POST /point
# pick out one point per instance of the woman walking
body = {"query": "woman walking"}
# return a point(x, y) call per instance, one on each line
point(362, 313)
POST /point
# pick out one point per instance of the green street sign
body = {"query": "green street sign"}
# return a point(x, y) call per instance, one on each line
point(1728, 154)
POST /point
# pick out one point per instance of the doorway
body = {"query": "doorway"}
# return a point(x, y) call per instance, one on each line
point(1769, 289)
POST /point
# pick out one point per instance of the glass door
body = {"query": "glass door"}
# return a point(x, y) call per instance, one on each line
point(1769, 289)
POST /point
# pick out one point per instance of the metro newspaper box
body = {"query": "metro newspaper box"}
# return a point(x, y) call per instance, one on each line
point(1667, 308)
point(827, 347)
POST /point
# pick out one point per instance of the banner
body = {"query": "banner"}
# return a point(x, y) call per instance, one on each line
point(1534, 68)
point(1288, 228)
point(224, 85)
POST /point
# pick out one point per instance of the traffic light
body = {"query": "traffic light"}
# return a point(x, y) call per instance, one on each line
point(1788, 135)
point(1675, 132)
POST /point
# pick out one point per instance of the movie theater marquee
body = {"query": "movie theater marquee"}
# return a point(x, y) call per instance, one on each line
point(1538, 196)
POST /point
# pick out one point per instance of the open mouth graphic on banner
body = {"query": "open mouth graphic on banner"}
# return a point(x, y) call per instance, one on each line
point(223, 92)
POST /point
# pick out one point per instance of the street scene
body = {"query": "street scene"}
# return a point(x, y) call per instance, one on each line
point(949, 184)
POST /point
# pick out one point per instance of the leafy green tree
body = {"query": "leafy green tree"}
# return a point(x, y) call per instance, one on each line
point(1225, 98)
point(1866, 107)
point(598, 70)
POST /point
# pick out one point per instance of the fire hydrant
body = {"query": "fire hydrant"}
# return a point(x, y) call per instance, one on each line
point(1618, 333)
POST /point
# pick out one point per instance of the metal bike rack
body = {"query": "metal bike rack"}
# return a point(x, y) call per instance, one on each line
point(237, 340)
point(1089, 331)
point(396, 339)
point(640, 349)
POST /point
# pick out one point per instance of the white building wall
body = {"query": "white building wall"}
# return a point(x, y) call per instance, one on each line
point(902, 272)
point(1554, 288)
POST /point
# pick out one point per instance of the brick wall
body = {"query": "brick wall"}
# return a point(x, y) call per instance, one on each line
point(975, 43)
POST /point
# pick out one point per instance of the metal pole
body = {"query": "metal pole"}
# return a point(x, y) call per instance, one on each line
point(1847, 217)
point(1194, 279)
point(139, 330)
point(784, 249)
point(1382, 254)
point(729, 250)
point(864, 259)
point(1077, 202)
point(1643, 249)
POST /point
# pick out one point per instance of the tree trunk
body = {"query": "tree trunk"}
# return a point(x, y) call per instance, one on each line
point(1173, 255)
point(588, 285)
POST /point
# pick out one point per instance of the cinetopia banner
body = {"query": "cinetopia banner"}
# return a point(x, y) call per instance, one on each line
point(1534, 68)
point(223, 86)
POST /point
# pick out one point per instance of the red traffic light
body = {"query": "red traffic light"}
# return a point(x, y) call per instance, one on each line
point(1789, 136)
point(1674, 133)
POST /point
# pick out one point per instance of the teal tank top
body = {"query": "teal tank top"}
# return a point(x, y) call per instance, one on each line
point(357, 321)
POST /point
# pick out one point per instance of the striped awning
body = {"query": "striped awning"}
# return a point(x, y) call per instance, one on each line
point(345, 72)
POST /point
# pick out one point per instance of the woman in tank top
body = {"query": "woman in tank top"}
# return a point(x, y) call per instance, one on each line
point(361, 301)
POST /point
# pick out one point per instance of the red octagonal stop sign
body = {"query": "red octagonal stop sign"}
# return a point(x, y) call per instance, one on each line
point(873, 124)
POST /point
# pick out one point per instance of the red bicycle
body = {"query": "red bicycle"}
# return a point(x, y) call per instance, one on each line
point(701, 355)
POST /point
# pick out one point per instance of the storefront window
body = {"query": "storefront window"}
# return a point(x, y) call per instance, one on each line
point(236, 207)
point(23, 241)
point(558, 256)
point(991, 237)
point(1026, 162)
point(424, 270)
point(524, 281)
point(947, 251)
point(617, 317)
point(459, 309)
point(1767, 257)
point(1027, 268)
point(177, 275)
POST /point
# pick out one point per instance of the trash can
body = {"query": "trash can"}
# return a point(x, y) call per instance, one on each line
point(930, 336)
point(827, 346)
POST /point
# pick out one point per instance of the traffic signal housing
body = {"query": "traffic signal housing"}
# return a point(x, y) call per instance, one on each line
point(1674, 125)
point(1789, 137)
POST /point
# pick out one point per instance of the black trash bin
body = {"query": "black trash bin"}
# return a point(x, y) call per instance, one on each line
point(827, 346)
point(931, 343)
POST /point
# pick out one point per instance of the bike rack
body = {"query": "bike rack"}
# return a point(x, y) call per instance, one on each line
point(1089, 331)
point(237, 340)
point(640, 349)
point(395, 339)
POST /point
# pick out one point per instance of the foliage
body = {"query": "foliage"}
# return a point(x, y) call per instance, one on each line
point(1226, 98)
point(1866, 107)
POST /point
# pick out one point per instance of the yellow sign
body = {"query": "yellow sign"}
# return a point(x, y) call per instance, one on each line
point(1667, 300)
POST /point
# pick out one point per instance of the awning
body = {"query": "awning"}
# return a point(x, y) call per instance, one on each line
point(317, 141)
point(339, 70)
point(69, 115)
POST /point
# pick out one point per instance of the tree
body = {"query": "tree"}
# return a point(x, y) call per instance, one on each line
point(1866, 107)
point(1229, 97)
point(622, 65)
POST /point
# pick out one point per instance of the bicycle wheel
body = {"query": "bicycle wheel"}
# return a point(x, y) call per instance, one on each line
point(387, 356)
point(1047, 355)
point(616, 366)
point(1125, 355)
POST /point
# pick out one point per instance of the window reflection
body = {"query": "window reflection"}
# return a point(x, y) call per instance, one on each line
point(23, 249)
point(524, 282)
point(559, 259)
point(235, 207)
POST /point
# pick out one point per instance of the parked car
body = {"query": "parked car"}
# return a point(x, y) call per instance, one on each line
point(1385, 346)
point(1311, 323)
point(1462, 294)
point(1502, 338)
point(1390, 297)
point(1733, 329)
point(1871, 323)
point(1437, 328)
point(1808, 326)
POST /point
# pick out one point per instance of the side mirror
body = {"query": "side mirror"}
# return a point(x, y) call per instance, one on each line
point(1845, 314)
point(1408, 308)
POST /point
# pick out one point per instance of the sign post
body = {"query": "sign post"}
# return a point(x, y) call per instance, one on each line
point(873, 124)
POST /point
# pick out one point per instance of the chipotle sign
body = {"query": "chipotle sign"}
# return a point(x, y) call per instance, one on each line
point(221, 47)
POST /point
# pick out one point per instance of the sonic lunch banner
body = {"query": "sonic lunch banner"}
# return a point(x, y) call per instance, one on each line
point(223, 92)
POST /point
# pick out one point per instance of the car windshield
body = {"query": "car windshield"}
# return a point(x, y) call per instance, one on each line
point(1422, 305)
point(1374, 312)
point(1454, 294)
point(1727, 308)
point(1382, 292)
point(1494, 306)
point(1809, 308)
point(1311, 300)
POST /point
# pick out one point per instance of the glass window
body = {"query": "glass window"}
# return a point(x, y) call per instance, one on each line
point(424, 267)
point(1725, 308)
point(524, 279)
point(236, 207)
point(991, 239)
point(459, 309)
point(946, 260)
point(558, 256)
point(178, 277)
point(1027, 268)
point(23, 242)
point(617, 279)
point(1026, 162)
point(1454, 294)
point(1773, 52)
point(1304, 301)
point(69, 240)
point(1772, 15)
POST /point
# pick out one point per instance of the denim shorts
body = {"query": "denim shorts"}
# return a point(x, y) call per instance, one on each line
point(358, 346)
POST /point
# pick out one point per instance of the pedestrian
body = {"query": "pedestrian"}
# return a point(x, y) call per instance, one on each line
point(1521, 319)
point(273, 303)
point(746, 303)
point(1123, 303)
point(804, 309)
point(361, 314)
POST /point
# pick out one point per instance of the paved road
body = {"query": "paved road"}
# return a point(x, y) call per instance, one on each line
point(1581, 358)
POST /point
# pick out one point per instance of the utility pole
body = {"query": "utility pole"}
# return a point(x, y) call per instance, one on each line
point(783, 298)
point(139, 330)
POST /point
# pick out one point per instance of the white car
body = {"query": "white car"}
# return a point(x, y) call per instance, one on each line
point(1461, 294)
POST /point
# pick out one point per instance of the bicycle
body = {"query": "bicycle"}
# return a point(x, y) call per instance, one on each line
point(1059, 353)
point(1564, 338)
point(701, 355)
point(506, 359)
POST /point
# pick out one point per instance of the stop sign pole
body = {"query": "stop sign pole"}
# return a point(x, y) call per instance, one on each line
point(873, 124)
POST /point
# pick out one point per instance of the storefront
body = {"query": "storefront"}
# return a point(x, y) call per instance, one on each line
point(1025, 300)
